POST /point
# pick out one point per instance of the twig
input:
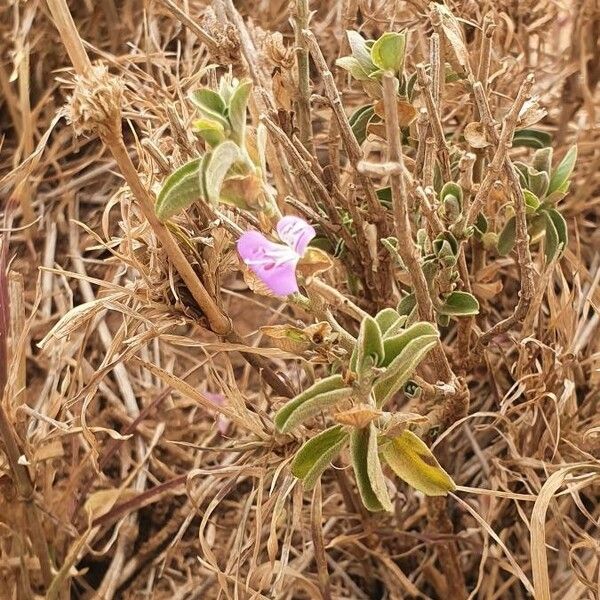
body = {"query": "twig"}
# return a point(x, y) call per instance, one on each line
point(435, 121)
point(349, 140)
point(186, 20)
point(10, 440)
point(504, 141)
point(524, 259)
point(485, 52)
point(406, 246)
point(300, 17)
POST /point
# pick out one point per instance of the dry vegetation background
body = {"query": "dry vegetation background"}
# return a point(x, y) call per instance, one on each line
point(138, 490)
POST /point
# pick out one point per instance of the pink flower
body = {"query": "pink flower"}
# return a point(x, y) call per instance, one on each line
point(275, 264)
point(222, 421)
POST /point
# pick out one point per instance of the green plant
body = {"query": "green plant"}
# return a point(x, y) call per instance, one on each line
point(385, 356)
point(231, 169)
point(543, 187)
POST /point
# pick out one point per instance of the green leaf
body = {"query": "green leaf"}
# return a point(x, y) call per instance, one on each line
point(384, 195)
point(507, 237)
point(412, 461)
point(387, 52)
point(359, 120)
point(317, 454)
point(407, 305)
point(211, 131)
point(523, 172)
point(360, 51)
point(561, 226)
point(452, 189)
point(324, 393)
point(391, 244)
point(542, 160)
point(367, 469)
point(445, 247)
point(532, 202)
point(556, 237)
point(223, 157)
point(350, 64)
point(532, 138)
point(237, 111)
point(389, 321)
point(561, 174)
point(402, 367)
point(210, 105)
point(538, 182)
point(369, 346)
point(551, 241)
point(481, 224)
point(460, 304)
point(394, 345)
point(179, 190)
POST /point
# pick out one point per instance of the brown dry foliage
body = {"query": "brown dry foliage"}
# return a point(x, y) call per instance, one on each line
point(138, 492)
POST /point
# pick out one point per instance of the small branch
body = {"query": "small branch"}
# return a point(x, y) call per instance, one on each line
point(503, 141)
point(349, 140)
point(437, 70)
point(68, 34)
point(300, 17)
point(435, 121)
point(433, 219)
point(524, 259)
point(337, 300)
point(8, 435)
point(187, 21)
point(485, 52)
point(406, 246)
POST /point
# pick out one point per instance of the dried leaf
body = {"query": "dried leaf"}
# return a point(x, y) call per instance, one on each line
point(358, 416)
point(475, 135)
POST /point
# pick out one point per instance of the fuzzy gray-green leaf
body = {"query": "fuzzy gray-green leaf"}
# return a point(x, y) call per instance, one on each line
point(562, 173)
point(394, 345)
point(210, 105)
point(367, 469)
point(317, 454)
point(179, 190)
point(369, 346)
point(237, 110)
point(360, 51)
point(561, 226)
point(285, 415)
point(551, 239)
point(507, 237)
point(460, 304)
point(389, 321)
point(387, 53)
point(223, 157)
point(402, 367)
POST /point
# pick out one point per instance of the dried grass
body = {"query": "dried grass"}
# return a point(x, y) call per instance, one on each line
point(112, 361)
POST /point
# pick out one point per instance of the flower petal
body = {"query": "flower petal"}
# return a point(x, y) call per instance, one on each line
point(222, 421)
point(274, 264)
point(295, 232)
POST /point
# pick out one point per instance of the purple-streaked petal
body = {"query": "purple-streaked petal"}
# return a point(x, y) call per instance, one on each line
point(295, 232)
point(274, 264)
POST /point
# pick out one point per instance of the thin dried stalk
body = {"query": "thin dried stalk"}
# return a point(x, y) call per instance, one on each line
point(406, 247)
point(300, 16)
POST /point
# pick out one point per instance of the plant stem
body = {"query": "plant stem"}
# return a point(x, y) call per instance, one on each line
point(435, 121)
point(524, 259)
point(10, 440)
point(301, 16)
point(406, 246)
